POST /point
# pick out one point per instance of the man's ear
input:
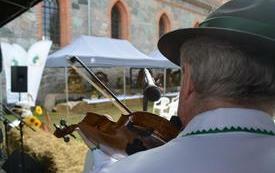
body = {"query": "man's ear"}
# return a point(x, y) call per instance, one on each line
point(188, 85)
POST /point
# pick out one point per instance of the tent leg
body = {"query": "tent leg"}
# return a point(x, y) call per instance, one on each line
point(124, 82)
point(131, 73)
point(66, 89)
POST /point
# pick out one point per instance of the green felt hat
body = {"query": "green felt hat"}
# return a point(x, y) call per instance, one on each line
point(246, 23)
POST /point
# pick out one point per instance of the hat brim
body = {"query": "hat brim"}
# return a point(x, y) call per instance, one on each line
point(169, 44)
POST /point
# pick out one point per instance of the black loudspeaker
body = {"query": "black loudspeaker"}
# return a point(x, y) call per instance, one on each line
point(19, 79)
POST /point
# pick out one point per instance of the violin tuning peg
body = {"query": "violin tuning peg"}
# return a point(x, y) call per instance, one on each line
point(63, 123)
point(66, 139)
point(56, 126)
point(72, 135)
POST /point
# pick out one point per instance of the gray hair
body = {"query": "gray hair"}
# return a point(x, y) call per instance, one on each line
point(221, 70)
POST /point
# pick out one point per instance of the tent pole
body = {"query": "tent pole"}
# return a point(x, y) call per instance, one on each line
point(66, 90)
point(89, 18)
point(124, 81)
point(131, 71)
point(164, 82)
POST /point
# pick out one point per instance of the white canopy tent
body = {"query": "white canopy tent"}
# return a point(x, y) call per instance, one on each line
point(105, 52)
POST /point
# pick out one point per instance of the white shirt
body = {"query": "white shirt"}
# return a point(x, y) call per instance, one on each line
point(96, 160)
point(227, 140)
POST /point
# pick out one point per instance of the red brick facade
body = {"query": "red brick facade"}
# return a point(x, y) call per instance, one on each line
point(167, 20)
point(39, 15)
point(65, 25)
point(125, 17)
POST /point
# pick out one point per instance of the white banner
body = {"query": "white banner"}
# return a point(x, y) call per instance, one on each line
point(34, 59)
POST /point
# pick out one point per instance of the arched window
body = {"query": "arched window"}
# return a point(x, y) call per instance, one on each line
point(164, 24)
point(51, 22)
point(119, 21)
point(116, 22)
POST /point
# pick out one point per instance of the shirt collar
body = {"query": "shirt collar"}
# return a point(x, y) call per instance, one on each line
point(227, 118)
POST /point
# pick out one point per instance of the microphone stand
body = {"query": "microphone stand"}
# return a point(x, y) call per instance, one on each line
point(21, 124)
point(6, 123)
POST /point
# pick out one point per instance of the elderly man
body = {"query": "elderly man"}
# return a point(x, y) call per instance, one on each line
point(227, 96)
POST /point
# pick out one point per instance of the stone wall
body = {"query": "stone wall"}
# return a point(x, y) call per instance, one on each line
point(53, 81)
point(79, 18)
point(143, 19)
point(23, 30)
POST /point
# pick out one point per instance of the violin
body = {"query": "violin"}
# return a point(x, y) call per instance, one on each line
point(133, 132)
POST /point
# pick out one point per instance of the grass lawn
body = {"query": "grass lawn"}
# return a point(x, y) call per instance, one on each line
point(110, 109)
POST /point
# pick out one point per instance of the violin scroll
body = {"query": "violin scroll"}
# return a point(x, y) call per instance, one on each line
point(63, 130)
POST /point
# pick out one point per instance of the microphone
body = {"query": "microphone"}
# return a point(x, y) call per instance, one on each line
point(151, 91)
